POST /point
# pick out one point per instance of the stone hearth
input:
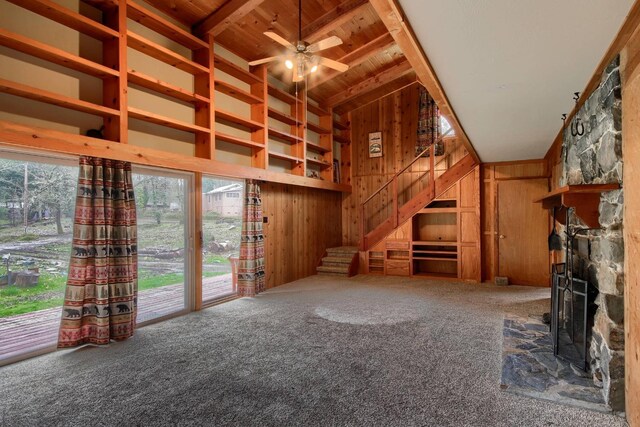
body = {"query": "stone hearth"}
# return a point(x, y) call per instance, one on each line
point(529, 367)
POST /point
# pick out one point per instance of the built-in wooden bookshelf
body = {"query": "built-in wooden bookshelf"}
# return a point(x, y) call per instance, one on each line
point(304, 154)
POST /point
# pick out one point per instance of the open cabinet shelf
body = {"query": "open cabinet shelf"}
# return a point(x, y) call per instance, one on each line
point(234, 92)
point(162, 26)
point(151, 83)
point(284, 136)
point(282, 117)
point(68, 18)
point(238, 141)
point(283, 96)
point(57, 56)
point(161, 53)
point(234, 70)
point(41, 95)
point(157, 119)
point(238, 121)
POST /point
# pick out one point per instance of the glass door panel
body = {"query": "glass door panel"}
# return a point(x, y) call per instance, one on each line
point(222, 204)
point(164, 231)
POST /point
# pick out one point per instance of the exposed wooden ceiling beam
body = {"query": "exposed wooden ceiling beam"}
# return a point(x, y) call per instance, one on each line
point(377, 93)
point(223, 17)
point(392, 16)
point(331, 20)
point(369, 84)
point(356, 57)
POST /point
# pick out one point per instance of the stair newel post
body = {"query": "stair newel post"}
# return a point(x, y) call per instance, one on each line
point(432, 172)
point(395, 200)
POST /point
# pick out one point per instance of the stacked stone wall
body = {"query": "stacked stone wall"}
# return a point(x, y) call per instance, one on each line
point(596, 158)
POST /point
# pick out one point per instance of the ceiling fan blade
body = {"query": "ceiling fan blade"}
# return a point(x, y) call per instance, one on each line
point(338, 66)
point(324, 44)
point(264, 60)
point(277, 38)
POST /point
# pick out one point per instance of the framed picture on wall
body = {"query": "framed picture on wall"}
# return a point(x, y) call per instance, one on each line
point(375, 144)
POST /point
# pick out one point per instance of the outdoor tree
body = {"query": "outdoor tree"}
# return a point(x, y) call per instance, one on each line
point(153, 191)
point(53, 187)
point(47, 188)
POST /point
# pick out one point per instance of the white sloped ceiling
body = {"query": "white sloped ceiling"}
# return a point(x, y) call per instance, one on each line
point(510, 67)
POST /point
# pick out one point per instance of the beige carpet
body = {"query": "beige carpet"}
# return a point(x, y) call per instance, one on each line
point(364, 351)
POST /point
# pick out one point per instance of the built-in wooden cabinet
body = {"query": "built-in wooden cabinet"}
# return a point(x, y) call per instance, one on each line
point(261, 129)
point(442, 240)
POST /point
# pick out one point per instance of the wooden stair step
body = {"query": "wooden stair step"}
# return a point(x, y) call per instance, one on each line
point(335, 270)
point(352, 250)
point(337, 260)
point(336, 264)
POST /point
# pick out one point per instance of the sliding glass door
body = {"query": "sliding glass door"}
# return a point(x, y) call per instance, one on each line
point(37, 198)
point(222, 205)
point(165, 230)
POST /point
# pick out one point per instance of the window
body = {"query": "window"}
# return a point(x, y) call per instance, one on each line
point(445, 126)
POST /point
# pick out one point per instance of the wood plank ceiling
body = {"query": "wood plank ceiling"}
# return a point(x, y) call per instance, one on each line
point(377, 64)
point(379, 45)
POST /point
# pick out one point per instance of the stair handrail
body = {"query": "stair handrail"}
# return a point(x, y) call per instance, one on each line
point(422, 153)
point(394, 181)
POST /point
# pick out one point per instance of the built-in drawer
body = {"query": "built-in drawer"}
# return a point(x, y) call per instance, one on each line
point(397, 268)
point(397, 244)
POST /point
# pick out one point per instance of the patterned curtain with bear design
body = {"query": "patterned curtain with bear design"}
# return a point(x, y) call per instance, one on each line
point(428, 124)
point(251, 263)
point(100, 301)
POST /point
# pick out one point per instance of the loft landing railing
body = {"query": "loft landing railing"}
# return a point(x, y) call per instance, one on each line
point(397, 199)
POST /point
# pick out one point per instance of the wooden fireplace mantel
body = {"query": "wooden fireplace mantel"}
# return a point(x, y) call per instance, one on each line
point(585, 198)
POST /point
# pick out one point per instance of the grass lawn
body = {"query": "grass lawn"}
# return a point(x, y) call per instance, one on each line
point(50, 291)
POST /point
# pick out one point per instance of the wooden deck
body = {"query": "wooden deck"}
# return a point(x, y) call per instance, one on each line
point(39, 329)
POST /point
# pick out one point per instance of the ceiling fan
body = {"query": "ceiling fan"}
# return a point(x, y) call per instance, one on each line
point(300, 56)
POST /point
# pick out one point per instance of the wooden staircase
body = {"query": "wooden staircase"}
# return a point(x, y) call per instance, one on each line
point(340, 261)
point(399, 214)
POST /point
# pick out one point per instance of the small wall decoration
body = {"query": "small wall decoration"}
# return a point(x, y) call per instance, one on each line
point(375, 144)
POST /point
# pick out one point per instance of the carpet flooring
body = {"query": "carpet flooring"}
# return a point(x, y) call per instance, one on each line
point(365, 351)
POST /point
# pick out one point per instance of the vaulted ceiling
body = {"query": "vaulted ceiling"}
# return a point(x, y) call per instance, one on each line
point(508, 68)
point(377, 65)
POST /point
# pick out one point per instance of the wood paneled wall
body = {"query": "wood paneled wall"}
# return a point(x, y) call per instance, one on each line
point(396, 116)
point(492, 175)
point(630, 69)
point(302, 223)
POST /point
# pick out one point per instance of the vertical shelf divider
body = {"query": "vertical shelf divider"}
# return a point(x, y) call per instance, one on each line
point(114, 89)
point(299, 111)
point(259, 113)
point(203, 84)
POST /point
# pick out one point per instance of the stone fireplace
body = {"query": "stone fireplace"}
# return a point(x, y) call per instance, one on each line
point(596, 158)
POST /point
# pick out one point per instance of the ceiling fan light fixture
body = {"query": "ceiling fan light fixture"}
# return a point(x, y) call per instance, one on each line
point(300, 69)
point(289, 64)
